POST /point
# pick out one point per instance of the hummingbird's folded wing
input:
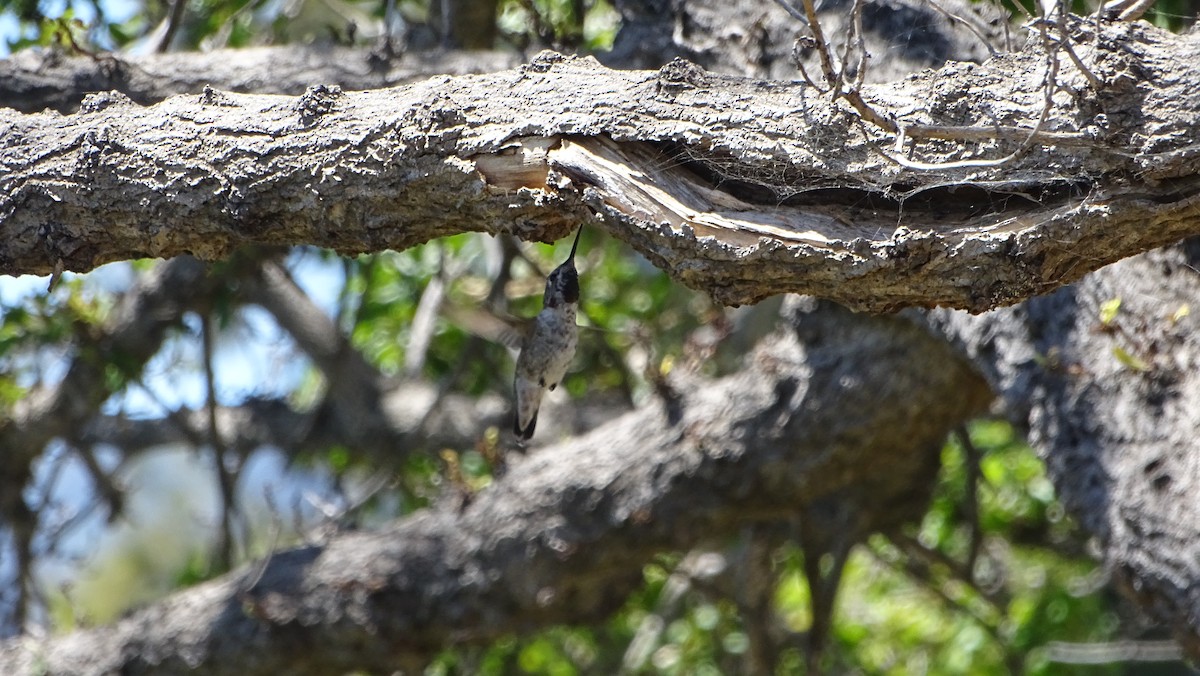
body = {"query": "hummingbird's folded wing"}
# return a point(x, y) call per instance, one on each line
point(505, 330)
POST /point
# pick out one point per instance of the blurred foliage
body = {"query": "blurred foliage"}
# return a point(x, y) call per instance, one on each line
point(626, 304)
point(588, 25)
point(96, 25)
point(38, 329)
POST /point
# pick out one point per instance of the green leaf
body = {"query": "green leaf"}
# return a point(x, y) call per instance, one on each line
point(1109, 310)
point(1130, 361)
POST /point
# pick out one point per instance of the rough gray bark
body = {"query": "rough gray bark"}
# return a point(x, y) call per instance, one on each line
point(564, 535)
point(740, 187)
point(755, 41)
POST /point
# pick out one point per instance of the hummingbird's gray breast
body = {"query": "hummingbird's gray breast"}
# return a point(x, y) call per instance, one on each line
point(550, 347)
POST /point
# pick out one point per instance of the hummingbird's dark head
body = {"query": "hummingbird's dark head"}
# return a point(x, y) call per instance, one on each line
point(562, 286)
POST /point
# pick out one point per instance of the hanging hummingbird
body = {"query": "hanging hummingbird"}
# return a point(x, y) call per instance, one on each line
point(549, 346)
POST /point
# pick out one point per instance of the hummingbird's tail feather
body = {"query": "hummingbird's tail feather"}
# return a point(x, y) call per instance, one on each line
point(529, 399)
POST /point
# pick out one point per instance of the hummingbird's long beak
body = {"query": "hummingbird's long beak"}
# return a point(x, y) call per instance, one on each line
point(571, 258)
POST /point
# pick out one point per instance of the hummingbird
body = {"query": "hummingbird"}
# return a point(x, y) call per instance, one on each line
point(549, 346)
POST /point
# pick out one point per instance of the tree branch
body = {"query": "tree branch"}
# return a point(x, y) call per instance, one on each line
point(563, 536)
point(458, 422)
point(32, 80)
point(741, 188)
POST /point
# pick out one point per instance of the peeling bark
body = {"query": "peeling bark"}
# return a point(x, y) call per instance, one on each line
point(743, 188)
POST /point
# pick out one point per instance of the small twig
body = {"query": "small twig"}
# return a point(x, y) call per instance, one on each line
point(173, 415)
point(173, 22)
point(250, 582)
point(969, 25)
point(835, 535)
point(853, 43)
point(22, 525)
point(377, 482)
point(860, 70)
point(999, 132)
point(971, 458)
point(695, 567)
point(1125, 10)
point(790, 9)
point(425, 318)
point(840, 88)
point(102, 481)
point(65, 35)
point(814, 25)
point(225, 479)
point(1064, 41)
point(349, 302)
point(53, 533)
point(804, 72)
point(1031, 139)
point(921, 575)
point(836, 80)
point(755, 580)
point(930, 556)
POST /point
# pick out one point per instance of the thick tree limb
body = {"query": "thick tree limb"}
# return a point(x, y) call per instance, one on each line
point(738, 187)
point(1128, 150)
point(32, 80)
point(749, 40)
point(563, 536)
